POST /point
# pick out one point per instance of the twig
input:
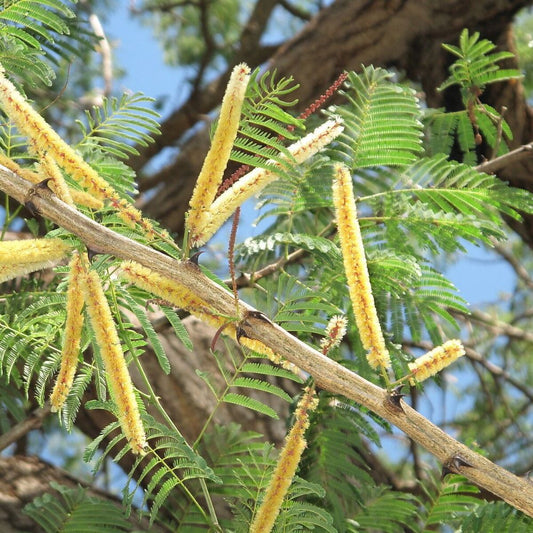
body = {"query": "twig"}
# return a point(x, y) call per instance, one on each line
point(522, 152)
point(497, 327)
point(33, 421)
point(327, 373)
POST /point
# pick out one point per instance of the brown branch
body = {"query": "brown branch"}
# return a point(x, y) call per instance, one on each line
point(327, 373)
point(494, 165)
point(34, 420)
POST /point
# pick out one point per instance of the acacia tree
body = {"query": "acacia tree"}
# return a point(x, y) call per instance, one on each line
point(413, 206)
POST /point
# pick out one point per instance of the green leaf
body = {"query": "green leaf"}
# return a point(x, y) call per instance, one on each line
point(381, 121)
point(120, 124)
point(250, 403)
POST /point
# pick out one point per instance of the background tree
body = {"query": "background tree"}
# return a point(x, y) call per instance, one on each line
point(333, 38)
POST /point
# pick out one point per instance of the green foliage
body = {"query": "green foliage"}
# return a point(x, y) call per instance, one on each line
point(496, 517)
point(118, 125)
point(411, 206)
point(475, 66)
point(33, 33)
point(182, 29)
point(448, 502)
point(385, 511)
point(265, 123)
point(74, 510)
point(381, 121)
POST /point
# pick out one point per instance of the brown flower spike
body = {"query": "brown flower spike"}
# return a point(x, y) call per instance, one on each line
point(73, 327)
point(118, 377)
point(288, 462)
point(356, 269)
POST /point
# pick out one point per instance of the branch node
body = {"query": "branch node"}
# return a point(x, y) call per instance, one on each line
point(36, 191)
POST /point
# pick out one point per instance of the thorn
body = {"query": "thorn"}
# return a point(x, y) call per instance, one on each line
point(454, 464)
point(258, 315)
point(28, 203)
point(194, 257)
point(31, 207)
point(240, 332)
point(44, 184)
point(396, 395)
point(217, 334)
point(91, 254)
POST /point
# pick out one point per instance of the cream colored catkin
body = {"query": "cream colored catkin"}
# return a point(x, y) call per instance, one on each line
point(356, 269)
point(73, 329)
point(119, 379)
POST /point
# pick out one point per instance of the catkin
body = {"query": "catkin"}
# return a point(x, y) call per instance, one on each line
point(73, 327)
point(38, 251)
point(256, 180)
point(356, 270)
point(435, 360)
point(286, 467)
point(119, 379)
point(217, 158)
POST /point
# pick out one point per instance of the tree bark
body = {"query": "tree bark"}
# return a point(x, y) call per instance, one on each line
point(25, 478)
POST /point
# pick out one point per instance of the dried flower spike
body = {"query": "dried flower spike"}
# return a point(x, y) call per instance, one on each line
point(356, 269)
point(217, 158)
point(45, 251)
point(254, 181)
point(119, 379)
point(435, 360)
point(335, 331)
point(285, 470)
point(73, 327)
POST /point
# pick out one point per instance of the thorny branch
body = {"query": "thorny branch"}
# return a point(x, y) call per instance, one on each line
point(327, 373)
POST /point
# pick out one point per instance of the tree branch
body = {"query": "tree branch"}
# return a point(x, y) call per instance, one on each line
point(327, 373)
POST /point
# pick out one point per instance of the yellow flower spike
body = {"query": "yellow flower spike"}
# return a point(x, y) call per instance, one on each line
point(435, 360)
point(79, 197)
point(73, 327)
point(356, 269)
point(119, 379)
point(50, 170)
point(172, 292)
point(285, 470)
point(44, 139)
point(217, 158)
point(8, 272)
point(38, 251)
point(335, 331)
point(257, 179)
